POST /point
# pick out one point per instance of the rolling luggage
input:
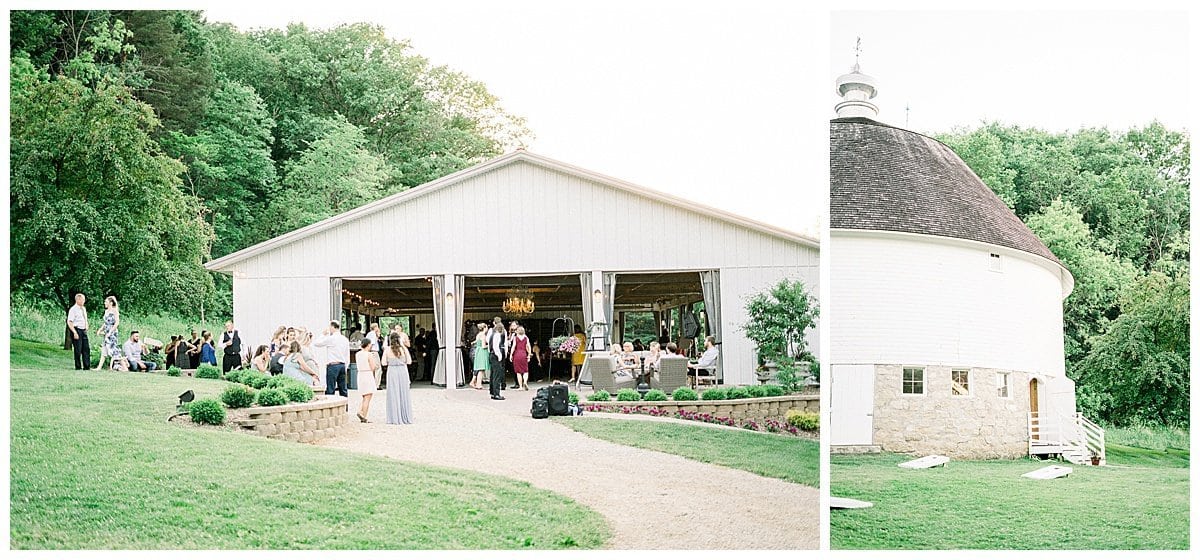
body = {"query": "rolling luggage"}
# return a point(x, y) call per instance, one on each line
point(539, 409)
point(558, 400)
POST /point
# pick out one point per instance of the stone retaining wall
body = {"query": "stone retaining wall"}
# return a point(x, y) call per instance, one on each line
point(758, 409)
point(303, 422)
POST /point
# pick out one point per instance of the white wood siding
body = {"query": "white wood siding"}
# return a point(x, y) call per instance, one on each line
point(737, 285)
point(922, 301)
point(261, 305)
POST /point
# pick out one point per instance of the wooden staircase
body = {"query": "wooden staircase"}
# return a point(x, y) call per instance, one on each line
point(1073, 438)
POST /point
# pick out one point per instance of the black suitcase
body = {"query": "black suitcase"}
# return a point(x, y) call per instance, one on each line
point(558, 401)
point(539, 409)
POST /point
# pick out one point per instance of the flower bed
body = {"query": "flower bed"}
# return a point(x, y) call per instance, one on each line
point(769, 425)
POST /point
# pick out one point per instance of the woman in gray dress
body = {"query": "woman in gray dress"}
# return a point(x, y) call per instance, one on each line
point(399, 402)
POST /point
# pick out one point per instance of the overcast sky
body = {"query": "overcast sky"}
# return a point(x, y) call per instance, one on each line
point(723, 105)
point(1053, 70)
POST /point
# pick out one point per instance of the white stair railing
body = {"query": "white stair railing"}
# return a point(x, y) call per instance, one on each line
point(1074, 438)
point(1093, 437)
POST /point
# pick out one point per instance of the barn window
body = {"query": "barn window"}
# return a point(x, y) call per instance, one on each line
point(994, 263)
point(1002, 385)
point(914, 381)
point(960, 382)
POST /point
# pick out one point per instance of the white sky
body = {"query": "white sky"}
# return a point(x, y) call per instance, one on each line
point(721, 105)
point(1053, 70)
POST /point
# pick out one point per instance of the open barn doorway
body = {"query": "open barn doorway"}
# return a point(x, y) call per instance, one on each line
point(545, 305)
point(660, 306)
point(407, 302)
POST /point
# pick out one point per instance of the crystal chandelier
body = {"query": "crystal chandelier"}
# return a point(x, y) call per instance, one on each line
point(519, 302)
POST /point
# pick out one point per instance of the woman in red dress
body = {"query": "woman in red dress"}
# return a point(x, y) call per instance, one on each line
point(520, 358)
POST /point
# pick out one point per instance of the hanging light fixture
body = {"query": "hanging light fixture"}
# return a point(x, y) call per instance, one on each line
point(519, 302)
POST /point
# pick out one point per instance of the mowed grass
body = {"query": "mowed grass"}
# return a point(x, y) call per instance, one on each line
point(785, 457)
point(1139, 502)
point(95, 465)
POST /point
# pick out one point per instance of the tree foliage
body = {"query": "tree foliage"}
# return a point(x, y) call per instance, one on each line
point(145, 142)
point(1113, 207)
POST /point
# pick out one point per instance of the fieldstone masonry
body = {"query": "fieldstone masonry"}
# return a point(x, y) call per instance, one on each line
point(981, 425)
point(303, 422)
point(757, 409)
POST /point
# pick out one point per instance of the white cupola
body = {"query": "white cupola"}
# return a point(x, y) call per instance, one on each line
point(857, 90)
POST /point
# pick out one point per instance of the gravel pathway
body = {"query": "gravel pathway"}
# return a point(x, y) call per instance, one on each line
point(652, 500)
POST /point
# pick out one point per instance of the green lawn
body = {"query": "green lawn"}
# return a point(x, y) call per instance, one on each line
point(786, 457)
point(94, 465)
point(1139, 502)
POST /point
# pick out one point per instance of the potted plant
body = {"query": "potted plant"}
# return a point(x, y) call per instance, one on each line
point(778, 320)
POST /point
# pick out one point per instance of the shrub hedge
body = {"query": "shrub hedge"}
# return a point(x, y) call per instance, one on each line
point(600, 396)
point(714, 394)
point(255, 379)
point(208, 371)
point(207, 411)
point(684, 394)
point(237, 396)
point(297, 392)
point(738, 393)
point(774, 390)
point(271, 397)
point(655, 395)
point(573, 398)
point(756, 391)
point(235, 375)
point(628, 395)
point(174, 371)
point(803, 419)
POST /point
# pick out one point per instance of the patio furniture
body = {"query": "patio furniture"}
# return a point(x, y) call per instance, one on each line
point(672, 374)
point(713, 376)
point(603, 377)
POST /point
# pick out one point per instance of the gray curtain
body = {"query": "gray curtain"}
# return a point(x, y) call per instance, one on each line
point(460, 287)
point(710, 283)
point(439, 302)
point(335, 300)
point(585, 283)
point(610, 296)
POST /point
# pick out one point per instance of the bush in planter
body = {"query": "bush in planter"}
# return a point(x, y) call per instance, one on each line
point(714, 394)
point(279, 381)
point(655, 395)
point(208, 371)
point(803, 419)
point(255, 379)
point(234, 375)
point(174, 371)
point(297, 392)
point(738, 393)
point(237, 396)
point(207, 411)
point(573, 398)
point(684, 394)
point(271, 397)
point(774, 390)
point(756, 391)
point(778, 319)
point(628, 395)
point(600, 396)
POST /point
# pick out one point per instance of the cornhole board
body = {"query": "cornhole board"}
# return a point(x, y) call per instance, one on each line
point(1048, 473)
point(847, 503)
point(926, 462)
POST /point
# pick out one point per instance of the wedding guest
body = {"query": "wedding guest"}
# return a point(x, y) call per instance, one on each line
point(112, 319)
point(535, 361)
point(194, 349)
point(231, 348)
point(519, 355)
point(208, 354)
point(77, 322)
point(654, 358)
point(496, 347)
point(398, 406)
point(296, 367)
point(629, 363)
point(579, 356)
point(708, 360)
point(261, 362)
point(338, 349)
point(368, 376)
point(133, 350)
point(168, 351)
point(481, 363)
point(183, 354)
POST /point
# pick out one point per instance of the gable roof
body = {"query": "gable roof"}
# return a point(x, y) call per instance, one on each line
point(223, 263)
point(886, 178)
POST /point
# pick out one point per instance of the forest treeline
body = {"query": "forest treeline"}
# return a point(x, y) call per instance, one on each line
point(1113, 206)
point(145, 143)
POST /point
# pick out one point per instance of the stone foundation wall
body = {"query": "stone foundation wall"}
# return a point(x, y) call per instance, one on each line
point(757, 409)
point(981, 425)
point(303, 422)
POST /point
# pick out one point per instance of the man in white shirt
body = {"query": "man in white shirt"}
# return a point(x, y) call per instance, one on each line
point(337, 348)
point(708, 360)
point(133, 353)
point(78, 325)
point(373, 336)
point(497, 346)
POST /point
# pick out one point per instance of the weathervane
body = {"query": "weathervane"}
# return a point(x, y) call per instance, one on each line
point(857, 50)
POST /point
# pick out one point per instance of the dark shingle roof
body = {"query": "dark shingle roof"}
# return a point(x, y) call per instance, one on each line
point(887, 178)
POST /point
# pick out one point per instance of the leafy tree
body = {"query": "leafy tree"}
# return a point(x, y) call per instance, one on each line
point(173, 55)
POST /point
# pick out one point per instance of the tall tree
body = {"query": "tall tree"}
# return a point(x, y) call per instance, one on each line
point(173, 55)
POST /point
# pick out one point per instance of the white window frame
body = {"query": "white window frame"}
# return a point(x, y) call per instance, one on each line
point(995, 262)
point(970, 382)
point(1004, 381)
point(924, 381)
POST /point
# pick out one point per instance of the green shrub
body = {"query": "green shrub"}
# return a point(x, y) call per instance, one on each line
point(234, 375)
point(714, 394)
point(237, 396)
point(255, 379)
point(756, 391)
point(207, 411)
point(628, 395)
point(599, 396)
point(684, 394)
point(738, 393)
point(271, 397)
point(297, 392)
point(655, 395)
point(174, 371)
point(208, 371)
point(279, 381)
point(573, 398)
point(774, 390)
point(803, 419)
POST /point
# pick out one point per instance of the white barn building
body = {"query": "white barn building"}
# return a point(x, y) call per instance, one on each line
point(945, 311)
point(581, 245)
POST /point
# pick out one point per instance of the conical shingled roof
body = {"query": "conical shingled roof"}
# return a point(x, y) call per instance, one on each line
point(890, 179)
